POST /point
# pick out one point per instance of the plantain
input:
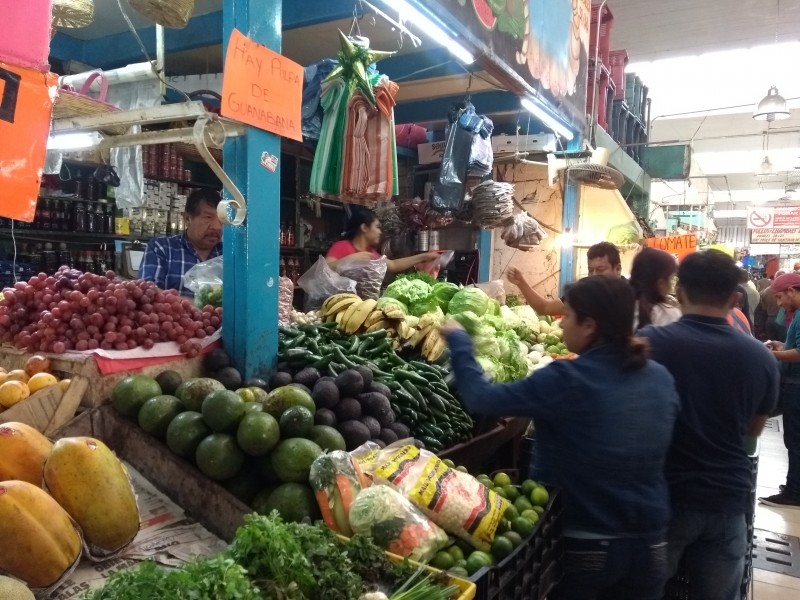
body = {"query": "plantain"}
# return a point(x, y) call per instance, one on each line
point(375, 316)
point(343, 304)
point(356, 319)
point(430, 341)
point(437, 350)
point(331, 300)
point(378, 325)
point(419, 335)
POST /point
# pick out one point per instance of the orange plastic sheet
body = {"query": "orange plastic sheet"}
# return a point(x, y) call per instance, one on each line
point(26, 107)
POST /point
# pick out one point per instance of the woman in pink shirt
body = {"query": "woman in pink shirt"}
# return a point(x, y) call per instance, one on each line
point(362, 236)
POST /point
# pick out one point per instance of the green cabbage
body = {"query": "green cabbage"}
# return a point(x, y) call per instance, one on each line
point(497, 323)
point(623, 235)
point(408, 291)
point(471, 299)
point(494, 370)
point(444, 292)
point(493, 307)
point(469, 321)
point(428, 304)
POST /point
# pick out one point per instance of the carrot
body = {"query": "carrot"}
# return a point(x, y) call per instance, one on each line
point(362, 479)
point(344, 484)
point(325, 508)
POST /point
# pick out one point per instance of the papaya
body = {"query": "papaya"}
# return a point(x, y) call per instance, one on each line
point(92, 485)
point(23, 451)
point(38, 541)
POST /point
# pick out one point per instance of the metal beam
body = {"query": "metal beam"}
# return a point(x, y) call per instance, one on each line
point(252, 251)
point(426, 111)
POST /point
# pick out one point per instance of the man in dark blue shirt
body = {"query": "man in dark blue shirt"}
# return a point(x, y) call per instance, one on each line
point(167, 258)
point(728, 384)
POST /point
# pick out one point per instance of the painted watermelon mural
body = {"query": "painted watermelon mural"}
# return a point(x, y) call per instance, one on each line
point(545, 42)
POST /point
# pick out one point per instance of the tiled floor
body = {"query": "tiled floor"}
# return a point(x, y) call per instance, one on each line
point(771, 474)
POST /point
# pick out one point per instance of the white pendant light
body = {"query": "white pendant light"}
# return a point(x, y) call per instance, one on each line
point(766, 167)
point(772, 107)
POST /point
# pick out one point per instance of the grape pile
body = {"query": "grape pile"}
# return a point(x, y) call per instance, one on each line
point(72, 310)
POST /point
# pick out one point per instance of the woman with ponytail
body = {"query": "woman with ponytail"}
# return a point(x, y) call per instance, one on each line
point(651, 279)
point(604, 423)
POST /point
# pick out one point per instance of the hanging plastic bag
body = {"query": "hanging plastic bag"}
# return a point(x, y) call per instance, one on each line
point(494, 289)
point(320, 282)
point(368, 275)
point(523, 232)
point(205, 281)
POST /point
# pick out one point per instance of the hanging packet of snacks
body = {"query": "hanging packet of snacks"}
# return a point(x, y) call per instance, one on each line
point(285, 299)
point(455, 501)
point(523, 232)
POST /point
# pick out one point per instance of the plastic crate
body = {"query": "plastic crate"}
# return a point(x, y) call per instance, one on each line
point(534, 568)
point(604, 96)
point(618, 60)
point(619, 121)
point(605, 22)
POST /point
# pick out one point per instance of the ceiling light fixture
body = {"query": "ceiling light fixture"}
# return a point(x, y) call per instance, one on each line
point(772, 107)
point(766, 167)
point(547, 120)
point(66, 142)
point(430, 28)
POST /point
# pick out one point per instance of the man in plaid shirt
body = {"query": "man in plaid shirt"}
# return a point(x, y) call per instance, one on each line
point(167, 258)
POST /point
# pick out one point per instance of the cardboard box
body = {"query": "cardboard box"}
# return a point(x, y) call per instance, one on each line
point(541, 142)
point(48, 409)
point(431, 153)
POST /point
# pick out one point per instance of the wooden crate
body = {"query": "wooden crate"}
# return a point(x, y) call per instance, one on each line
point(49, 408)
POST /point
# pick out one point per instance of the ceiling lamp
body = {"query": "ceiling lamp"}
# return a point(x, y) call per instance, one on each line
point(766, 167)
point(772, 107)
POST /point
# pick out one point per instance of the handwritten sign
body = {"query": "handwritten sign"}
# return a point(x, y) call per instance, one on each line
point(26, 106)
point(679, 245)
point(262, 88)
point(775, 236)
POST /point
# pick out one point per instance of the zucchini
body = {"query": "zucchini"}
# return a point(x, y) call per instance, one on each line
point(403, 375)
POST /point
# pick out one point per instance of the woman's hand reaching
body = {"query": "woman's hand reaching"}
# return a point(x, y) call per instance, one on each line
point(514, 276)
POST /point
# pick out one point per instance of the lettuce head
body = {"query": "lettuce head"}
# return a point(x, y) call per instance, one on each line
point(469, 299)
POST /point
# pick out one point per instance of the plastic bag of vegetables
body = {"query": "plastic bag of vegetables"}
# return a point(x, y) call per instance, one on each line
point(455, 501)
point(395, 524)
point(336, 480)
point(205, 281)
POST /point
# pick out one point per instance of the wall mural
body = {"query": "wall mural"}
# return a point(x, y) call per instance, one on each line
point(545, 42)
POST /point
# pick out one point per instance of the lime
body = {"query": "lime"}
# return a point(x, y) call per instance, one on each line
point(522, 526)
point(511, 513)
point(503, 525)
point(512, 493)
point(528, 486)
point(501, 479)
point(540, 497)
point(222, 410)
point(462, 469)
point(157, 413)
point(461, 564)
point(443, 560)
point(459, 572)
point(516, 539)
point(531, 515)
point(246, 394)
point(456, 552)
point(484, 479)
point(522, 503)
point(539, 509)
point(500, 492)
point(449, 463)
point(501, 548)
point(258, 433)
point(477, 560)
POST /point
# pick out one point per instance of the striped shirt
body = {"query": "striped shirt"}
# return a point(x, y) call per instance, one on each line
point(167, 258)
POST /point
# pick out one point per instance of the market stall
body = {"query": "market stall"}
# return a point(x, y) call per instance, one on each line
point(305, 399)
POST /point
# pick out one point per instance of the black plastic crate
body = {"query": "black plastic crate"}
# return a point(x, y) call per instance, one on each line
point(534, 568)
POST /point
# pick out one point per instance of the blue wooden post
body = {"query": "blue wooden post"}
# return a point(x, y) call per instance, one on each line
point(569, 222)
point(485, 254)
point(252, 250)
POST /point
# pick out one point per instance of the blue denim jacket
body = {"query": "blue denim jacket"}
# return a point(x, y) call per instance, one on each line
point(602, 433)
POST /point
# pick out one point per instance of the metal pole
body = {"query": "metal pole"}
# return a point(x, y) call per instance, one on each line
point(251, 251)
point(596, 76)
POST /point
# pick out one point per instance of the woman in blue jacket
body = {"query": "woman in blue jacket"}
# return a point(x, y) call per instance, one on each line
point(604, 424)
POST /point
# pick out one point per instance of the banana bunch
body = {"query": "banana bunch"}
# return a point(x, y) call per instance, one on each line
point(353, 315)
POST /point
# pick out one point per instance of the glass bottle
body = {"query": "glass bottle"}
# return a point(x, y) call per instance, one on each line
point(108, 218)
point(78, 216)
point(44, 215)
point(290, 234)
point(282, 267)
point(91, 218)
point(64, 255)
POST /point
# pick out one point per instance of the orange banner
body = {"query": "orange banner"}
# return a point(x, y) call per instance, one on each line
point(679, 245)
point(262, 88)
point(26, 106)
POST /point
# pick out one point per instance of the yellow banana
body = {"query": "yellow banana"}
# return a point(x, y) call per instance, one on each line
point(359, 315)
point(375, 316)
point(378, 325)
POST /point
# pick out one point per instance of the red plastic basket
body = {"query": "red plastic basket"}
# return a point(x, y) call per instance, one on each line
point(604, 96)
point(604, 20)
point(617, 61)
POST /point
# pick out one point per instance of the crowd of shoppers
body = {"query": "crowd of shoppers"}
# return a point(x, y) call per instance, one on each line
point(651, 453)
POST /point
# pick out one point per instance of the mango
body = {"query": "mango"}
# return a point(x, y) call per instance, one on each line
point(23, 451)
point(38, 541)
point(92, 485)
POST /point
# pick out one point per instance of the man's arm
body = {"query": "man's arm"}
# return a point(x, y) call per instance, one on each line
point(792, 355)
point(539, 303)
point(757, 426)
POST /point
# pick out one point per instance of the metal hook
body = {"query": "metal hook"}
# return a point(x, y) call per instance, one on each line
point(354, 26)
point(469, 87)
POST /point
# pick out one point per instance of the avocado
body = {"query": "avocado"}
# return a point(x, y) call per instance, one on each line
point(300, 386)
point(419, 444)
point(377, 386)
point(350, 383)
point(327, 438)
point(279, 379)
point(401, 430)
point(373, 426)
point(325, 393)
point(296, 422)
point(386, 417)
point(169, 382)
point(192, 392)
point(216, 360)
point(347, 410)
point(282, 398)
point(307, 377)
point(229, 377)
point(354, 433)
point(366, 375)
point(257, 382)
point(388, 435)
point(379, 442)
point(325, 416)
point(374, 404)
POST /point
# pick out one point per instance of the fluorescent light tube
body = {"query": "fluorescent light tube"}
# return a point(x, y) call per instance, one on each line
point(427, 26)
point(546, 119)
point(64, 142)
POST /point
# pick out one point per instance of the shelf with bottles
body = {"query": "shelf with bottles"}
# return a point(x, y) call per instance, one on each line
point(48, 256)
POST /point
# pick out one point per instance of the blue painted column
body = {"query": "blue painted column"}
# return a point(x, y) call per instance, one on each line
point(485, 254)
point(569, 222)
point(252, 250)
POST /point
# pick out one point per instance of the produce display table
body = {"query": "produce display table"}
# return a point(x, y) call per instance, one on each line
point(100, 381)
point(478, 453)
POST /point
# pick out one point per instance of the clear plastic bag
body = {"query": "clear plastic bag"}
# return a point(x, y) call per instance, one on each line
point(320, 282)
point(395, 524)
point(494, 289)
point(523, 232)
point(455, 501)
point(285, 299)
point(205, 280)
point(368, 275)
